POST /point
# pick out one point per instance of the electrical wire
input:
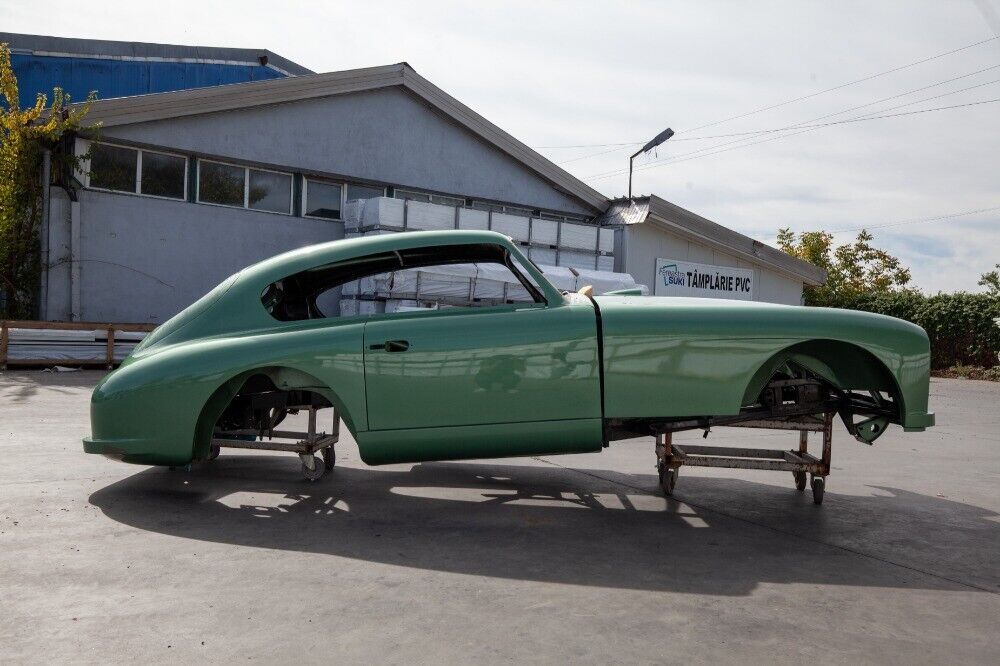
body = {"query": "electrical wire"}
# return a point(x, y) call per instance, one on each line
point(685, 157)
point(802, 123)
point(936, 218)
point(792, 101)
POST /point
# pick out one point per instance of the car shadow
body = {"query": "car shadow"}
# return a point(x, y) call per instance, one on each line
point(553, 524)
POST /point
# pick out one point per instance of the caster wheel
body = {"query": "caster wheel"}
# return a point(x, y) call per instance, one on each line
point(818, 486)
point(668, 479)
point(213, 453)
point(800, 481)
point(329, 458)
point(316, 471)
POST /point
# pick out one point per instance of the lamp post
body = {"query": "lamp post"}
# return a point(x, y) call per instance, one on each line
point(653, 143)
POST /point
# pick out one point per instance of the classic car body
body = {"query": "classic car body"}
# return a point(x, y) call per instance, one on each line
point(562, 373)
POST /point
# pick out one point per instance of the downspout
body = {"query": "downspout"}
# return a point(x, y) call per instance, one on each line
point(43, 286)
point(74, 257)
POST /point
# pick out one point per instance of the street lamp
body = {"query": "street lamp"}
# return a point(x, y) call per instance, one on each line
point(653, 143)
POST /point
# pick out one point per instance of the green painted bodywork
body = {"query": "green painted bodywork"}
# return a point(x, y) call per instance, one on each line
point(519, 379)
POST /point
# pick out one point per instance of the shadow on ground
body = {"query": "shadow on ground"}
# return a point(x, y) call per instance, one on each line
point(559, 525)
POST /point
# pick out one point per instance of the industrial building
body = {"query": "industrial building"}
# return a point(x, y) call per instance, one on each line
point(188, 186)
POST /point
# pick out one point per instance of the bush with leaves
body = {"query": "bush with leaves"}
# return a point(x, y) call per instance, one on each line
point(24, 135)
point(964, 328)
point(853, 269)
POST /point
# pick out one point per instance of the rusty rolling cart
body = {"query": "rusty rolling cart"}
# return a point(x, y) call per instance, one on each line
point(671, 457)
point(305, 444)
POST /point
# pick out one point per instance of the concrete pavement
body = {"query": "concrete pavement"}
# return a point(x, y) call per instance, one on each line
point(573, 558)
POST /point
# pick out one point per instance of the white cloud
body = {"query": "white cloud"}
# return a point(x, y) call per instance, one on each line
point(571, 72)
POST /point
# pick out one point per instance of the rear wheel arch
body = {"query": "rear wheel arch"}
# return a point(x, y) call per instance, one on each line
point(843, 364)
point(283, 378)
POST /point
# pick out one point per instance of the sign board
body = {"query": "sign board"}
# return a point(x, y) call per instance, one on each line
point(684, 278)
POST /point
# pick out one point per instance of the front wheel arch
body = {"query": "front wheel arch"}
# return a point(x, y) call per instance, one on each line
point(282, 377)
point(842, 364)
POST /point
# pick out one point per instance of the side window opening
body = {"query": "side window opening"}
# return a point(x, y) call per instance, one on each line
point(474, 275)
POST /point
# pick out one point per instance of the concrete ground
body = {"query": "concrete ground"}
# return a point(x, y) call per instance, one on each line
point(561, 559)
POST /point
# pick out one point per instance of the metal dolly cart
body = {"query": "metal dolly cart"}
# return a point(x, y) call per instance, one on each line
point(671, 457)
point(305, 444)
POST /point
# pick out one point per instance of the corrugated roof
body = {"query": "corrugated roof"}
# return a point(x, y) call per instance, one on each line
point(45, 45)
point(654, 210)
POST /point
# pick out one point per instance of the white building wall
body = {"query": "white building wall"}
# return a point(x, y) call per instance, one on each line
point(644, 243)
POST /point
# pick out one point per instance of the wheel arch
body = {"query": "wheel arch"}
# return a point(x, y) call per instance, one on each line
point(282, 377)
point(843, 364)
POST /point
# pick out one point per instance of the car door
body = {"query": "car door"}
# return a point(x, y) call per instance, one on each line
point(513, 363)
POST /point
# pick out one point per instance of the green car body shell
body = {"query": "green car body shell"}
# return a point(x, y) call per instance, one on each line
point(516, 379)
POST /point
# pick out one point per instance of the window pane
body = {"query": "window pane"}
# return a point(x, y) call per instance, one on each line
point(355, 192)
point(163, 175)
point(113, 168)
point(412, 196)
point(270, 191)
point(323, 200)
point(220, 183)
point(447, 201)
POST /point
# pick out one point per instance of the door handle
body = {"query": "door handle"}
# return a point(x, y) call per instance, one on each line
point(391, 346)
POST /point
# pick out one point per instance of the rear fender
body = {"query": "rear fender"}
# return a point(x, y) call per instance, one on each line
point(283, 378)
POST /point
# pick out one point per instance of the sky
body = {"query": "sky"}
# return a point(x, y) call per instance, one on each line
point(588, 74)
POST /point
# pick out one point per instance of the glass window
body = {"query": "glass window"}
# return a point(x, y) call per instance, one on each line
point(355, 192)
point(163, 175)
point(270, 191)
point(323, 199)
point(113, 167)
point(469, 276)
point(482, 205)
point(447, 201)
point(412, 196)
point(514, 210)
point(220, 183)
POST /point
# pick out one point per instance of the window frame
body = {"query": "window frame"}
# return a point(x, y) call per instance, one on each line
point(349, 183)
point(520, 267)
point(89, 144)
point(246, 187)
point(321, 181)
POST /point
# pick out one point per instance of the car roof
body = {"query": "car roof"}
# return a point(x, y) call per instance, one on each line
point(311, 256)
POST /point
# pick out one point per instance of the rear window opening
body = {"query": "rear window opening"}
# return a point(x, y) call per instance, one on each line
point(472, 275)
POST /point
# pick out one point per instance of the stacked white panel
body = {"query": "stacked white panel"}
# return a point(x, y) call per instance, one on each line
point(542, 255)
point(603, 281)
point(383, 211)
point(607, 239)
point(469, 218)
point(544, 232)
point(428, 216)
point(577, 259)
point(491, 282)
point(605, 263)
point(578, 236)
point(514, 226)
point(453, 282)
point(560, 277)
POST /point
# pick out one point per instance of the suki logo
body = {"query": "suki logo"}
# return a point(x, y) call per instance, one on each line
point(671, 275)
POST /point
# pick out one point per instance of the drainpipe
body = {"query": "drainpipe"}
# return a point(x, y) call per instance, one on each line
point(74, 256)
point(43, 286)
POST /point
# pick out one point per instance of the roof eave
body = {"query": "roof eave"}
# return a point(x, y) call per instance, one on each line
point(683, 221)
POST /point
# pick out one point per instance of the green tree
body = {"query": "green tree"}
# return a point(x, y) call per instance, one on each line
point(991, 281)
point(853, 270)
point(24, 135)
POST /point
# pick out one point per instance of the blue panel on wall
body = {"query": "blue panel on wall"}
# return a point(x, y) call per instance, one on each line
point(123, 78)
